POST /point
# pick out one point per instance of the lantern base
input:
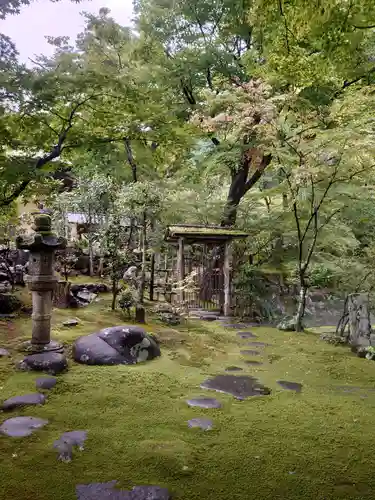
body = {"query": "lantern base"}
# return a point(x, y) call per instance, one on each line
point(32, 348)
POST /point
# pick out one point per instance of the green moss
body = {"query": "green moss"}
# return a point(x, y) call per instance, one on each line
point(313, 445)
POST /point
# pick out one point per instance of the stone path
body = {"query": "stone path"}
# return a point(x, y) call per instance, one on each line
point(26, 400)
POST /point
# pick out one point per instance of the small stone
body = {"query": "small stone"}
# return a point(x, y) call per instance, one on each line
point(233, 369)
point(21, 426)
point(204, 402)
point(70, 322)
point(64, 445)
point(45, 382)
point(258, 344)
point(26, 400)
point(249, 352)
point(4, 352)
point(50, 362)
point(241, 387)
point(253, 362)
point(290, 386)
point(246, 335)
point(204, 423)
point(107, 491)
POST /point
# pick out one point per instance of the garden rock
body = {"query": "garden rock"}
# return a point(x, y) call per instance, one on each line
point(249, 352)
point(203, 423)
point(45, 382)
point(107, 491)
point(170, 319)
point(26, 400)
point(67, 441)
point(70, 323)
point(246, 335)
point(233, 369)
point(287, 325)
point(21, 426)
point(241, 387)
point(253, 362)
point(9, 303)
point(116, 345)
point(204, 402)
point(50, 362)
point(4, 352)
point(290, 386)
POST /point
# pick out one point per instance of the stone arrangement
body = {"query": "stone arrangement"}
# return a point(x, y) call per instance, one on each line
point(112, 346)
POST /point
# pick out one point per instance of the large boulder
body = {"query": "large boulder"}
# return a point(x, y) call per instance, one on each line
point(116, 345)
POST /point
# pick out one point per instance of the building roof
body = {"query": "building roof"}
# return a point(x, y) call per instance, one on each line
point(198, 233)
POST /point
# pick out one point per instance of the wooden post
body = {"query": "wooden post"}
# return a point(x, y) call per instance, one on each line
point(152, 276)
point(181, 265)
point(227, 284)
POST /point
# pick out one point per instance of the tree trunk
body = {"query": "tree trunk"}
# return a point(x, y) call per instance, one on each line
point(61, 295)
point(152, 277)
point(241, 184)
point(142, 279)
point(114, 294)
point(359, 319)
point(91, 256)
point(301, 306)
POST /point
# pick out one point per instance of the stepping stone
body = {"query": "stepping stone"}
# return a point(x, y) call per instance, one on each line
point(290, 386)
point(26, 400)
point(21, 426)
point(64, 445)
point(253, 362)
point(204, 402)
point(235, 325)
point(45, 382)
point(233, 369)
point(107, 491)
point(4, 352)
point(71, 322)
point(246, 335)
point(258, 344)
point(50, 362)
point(241, 387)
point(249, 352)
point(204, 423)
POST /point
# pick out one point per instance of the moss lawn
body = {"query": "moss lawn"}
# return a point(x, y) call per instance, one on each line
point(315, 445)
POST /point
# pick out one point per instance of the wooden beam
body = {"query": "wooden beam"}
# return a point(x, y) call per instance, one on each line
point(227, 280)
point(181, 265)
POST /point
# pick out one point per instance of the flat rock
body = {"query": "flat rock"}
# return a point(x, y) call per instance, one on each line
point(203, 423)
point(50, 362)
point(290, 386)
point(241, 387)
point(67, 441)
point(250, 352)
point(116, 345)
point(204, 402)
point(253, 362)
point(258, 344)
point(45, 382)
point(246, 335)
point(235, 325)
point(21, 426)
point(233, 369)
point(107, 491)
point(71, 322)
point(26, 400)
point(4, 352)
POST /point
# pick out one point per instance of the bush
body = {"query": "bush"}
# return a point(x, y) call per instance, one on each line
point(126, 299)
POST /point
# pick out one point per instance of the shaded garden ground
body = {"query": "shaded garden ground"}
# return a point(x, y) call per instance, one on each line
point(312, 445)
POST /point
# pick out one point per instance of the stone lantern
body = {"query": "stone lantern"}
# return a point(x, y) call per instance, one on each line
point(41, 280)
